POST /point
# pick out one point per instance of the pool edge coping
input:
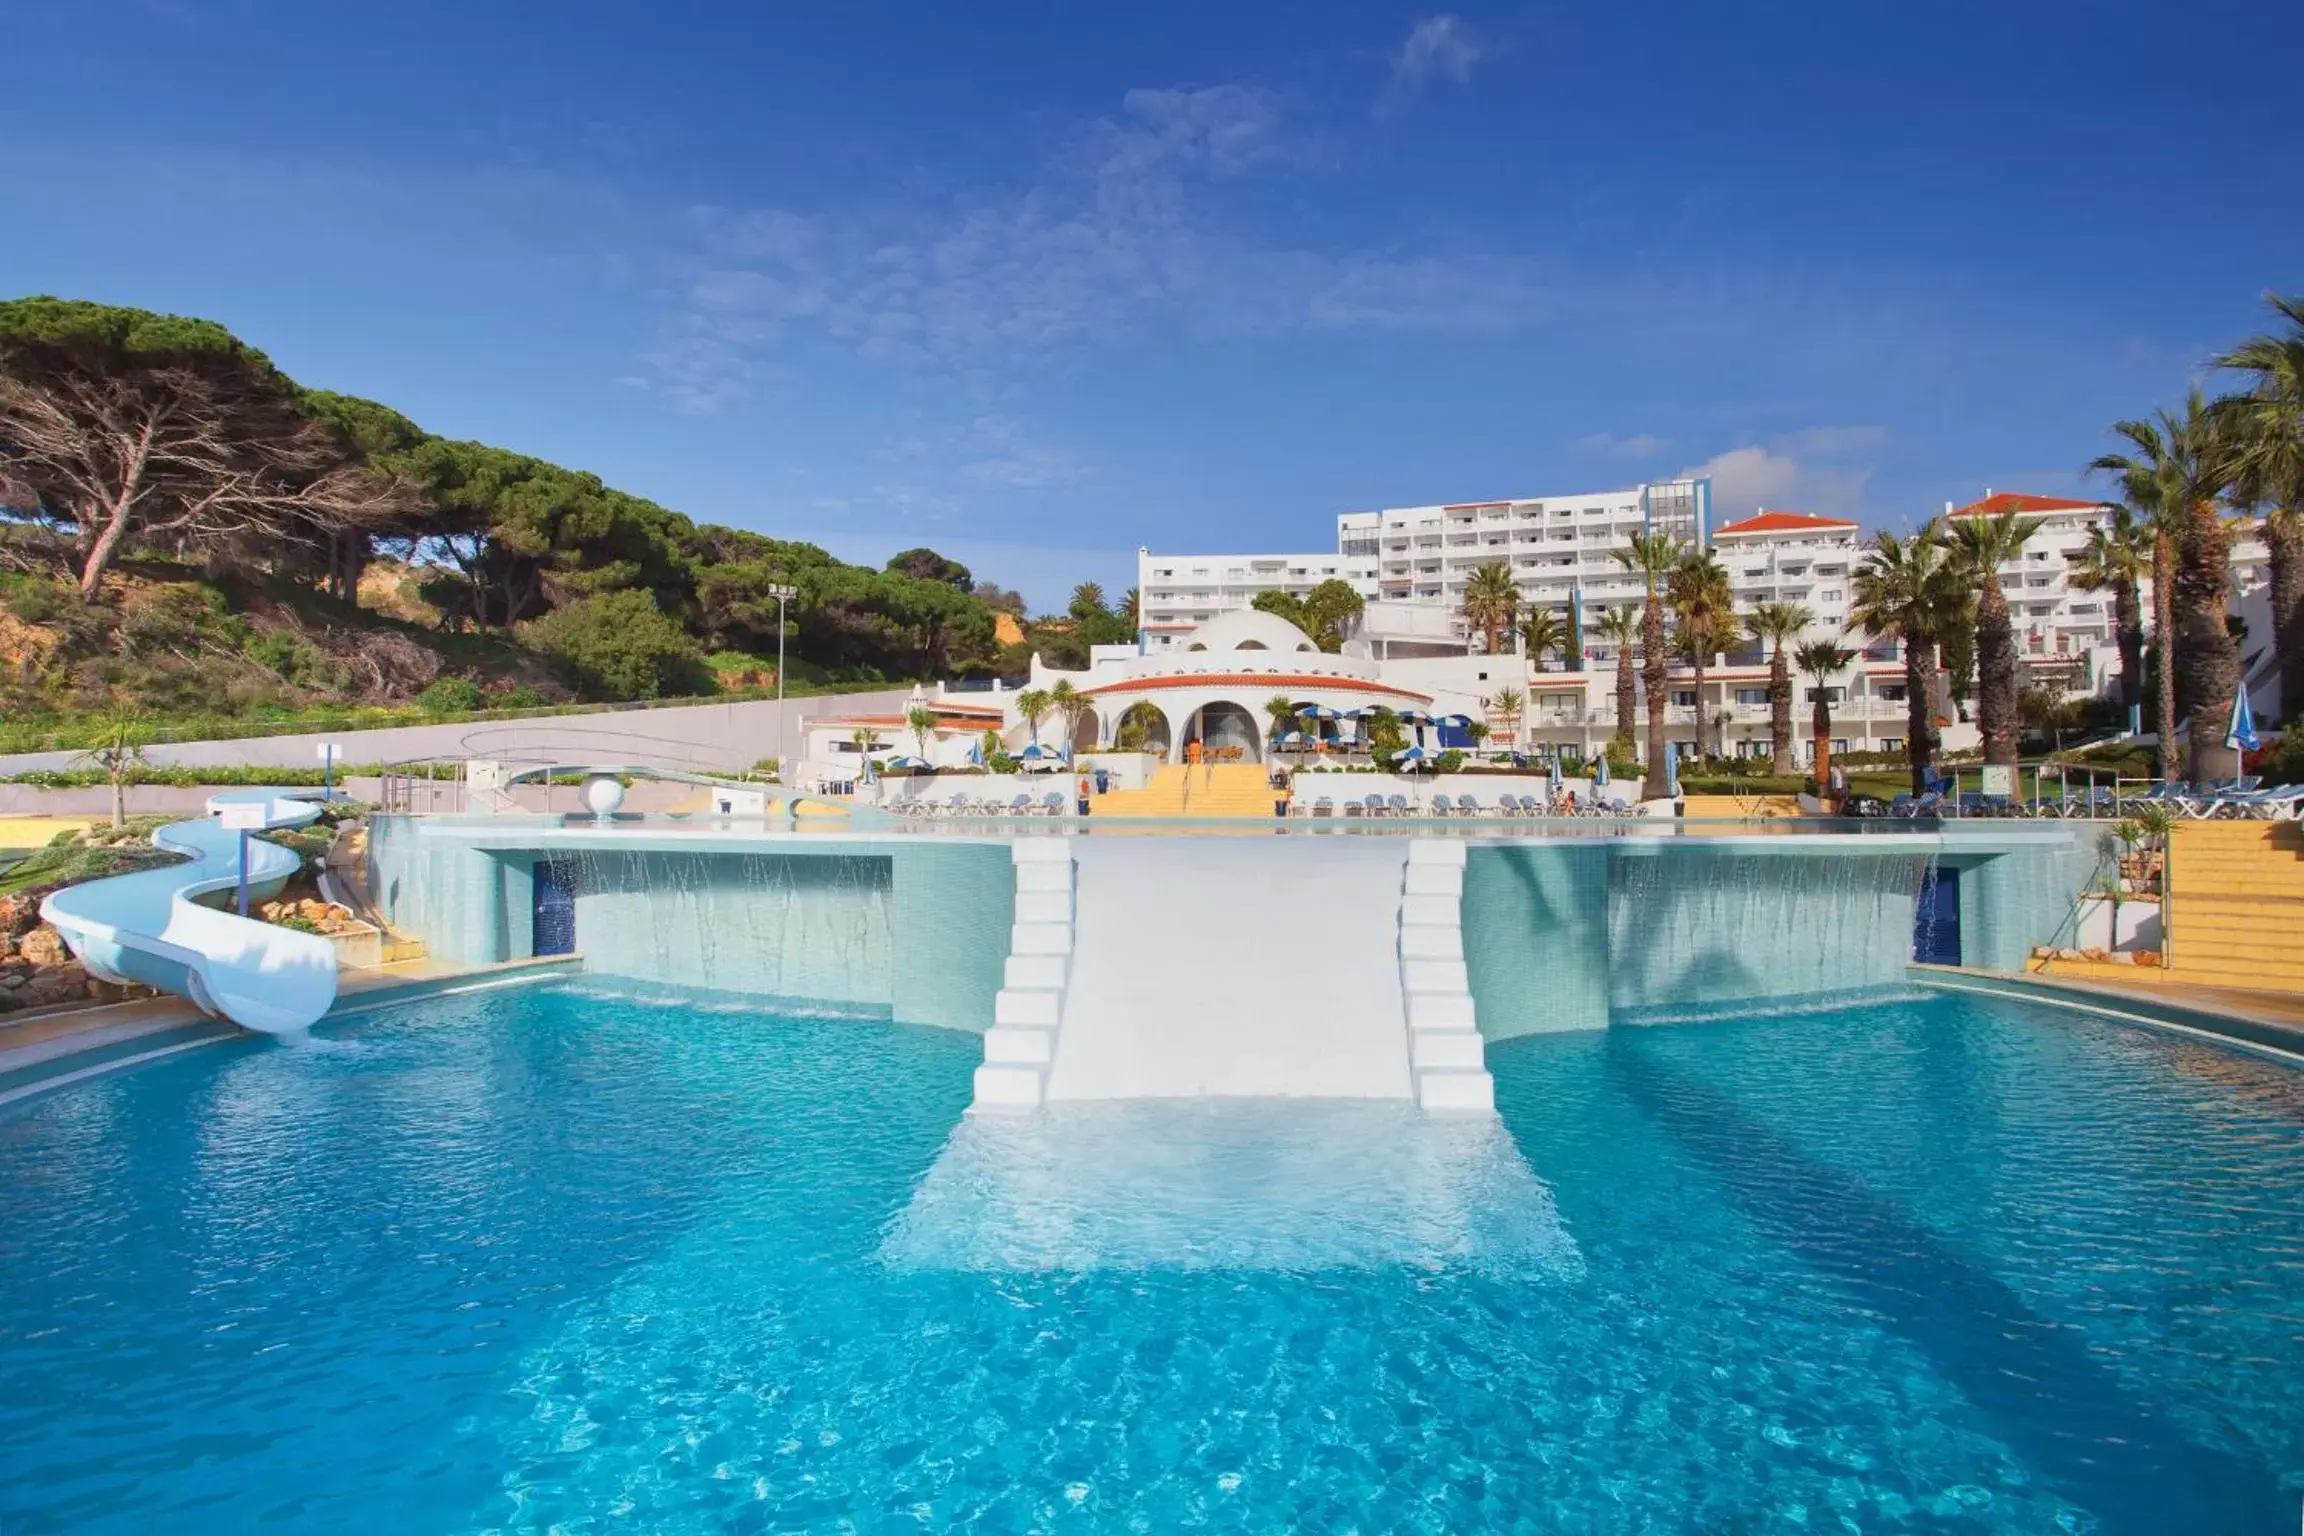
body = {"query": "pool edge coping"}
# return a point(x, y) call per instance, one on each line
point(33, 1079)
point(2233, 1028)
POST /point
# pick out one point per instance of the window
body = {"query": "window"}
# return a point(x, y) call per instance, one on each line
point(1891, 743)
point(1892, 692)
point(1751, 695)
point(1684, 697)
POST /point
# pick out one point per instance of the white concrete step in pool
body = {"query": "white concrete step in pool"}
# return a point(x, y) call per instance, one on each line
point(1297, 1185)
point(1232, 968)
point(1029, 1011)
point(1446, 1053)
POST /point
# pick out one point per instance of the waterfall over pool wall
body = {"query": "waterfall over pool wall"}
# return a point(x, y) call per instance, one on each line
point(800, 930)
point(1582, 936)
point(1689, 929)
point(1586, 934)
point(916, 931)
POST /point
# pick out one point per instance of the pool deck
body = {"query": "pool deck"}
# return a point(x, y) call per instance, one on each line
point(2266, 1023)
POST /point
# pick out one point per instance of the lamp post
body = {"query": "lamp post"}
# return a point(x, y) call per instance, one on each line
point(783, 594)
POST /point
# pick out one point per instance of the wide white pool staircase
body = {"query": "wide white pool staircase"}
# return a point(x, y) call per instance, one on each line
point(1224, 1052)
point(1220, 968)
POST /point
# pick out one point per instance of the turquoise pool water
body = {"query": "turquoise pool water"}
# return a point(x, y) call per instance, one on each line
point(553, 1260)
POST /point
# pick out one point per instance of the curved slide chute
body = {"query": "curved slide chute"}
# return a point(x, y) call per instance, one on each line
point(151, 927)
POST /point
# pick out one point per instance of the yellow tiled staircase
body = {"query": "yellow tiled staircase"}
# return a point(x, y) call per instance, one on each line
point(1212, 789)
point(2236, 905)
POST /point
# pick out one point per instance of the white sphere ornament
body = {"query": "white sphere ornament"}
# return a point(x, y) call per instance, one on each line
point(604, 793)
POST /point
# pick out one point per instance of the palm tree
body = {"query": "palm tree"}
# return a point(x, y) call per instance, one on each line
point(1699, 640)
point(1032, 706)
point(1904, 590)
point(2178, 467)
point(1651, 555)
point(1087, 600)
point(1705, 607)
point(1782, 623)
point(1134, 732)
point(2141, 495)
point(1281, 711)
point(2268, 441)
point(1980, 546)
point(1823, 661)
point(1541, 633)
point(1067, 704)
point(1132, 607)
point(1491, 602)
point(1620, 627)
point(2116, 560)
point(1506, 704)
point(921, 720)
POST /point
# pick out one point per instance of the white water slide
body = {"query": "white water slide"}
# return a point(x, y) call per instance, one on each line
point(152, 927)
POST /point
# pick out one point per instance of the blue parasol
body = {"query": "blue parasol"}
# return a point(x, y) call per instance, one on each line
point(2240, 735)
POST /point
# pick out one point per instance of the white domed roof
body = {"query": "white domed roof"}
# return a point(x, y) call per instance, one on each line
point(1248, 630)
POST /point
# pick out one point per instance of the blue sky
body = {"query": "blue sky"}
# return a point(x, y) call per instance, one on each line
point(1037, 283)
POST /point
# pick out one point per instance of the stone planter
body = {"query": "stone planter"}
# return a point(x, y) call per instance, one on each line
point(359, 946)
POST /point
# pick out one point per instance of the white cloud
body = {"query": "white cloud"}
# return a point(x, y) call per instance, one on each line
point(1840, 443)
point(1637, 445)
point(1007, 458)
point(1110, 238)
point(1438, 48)
point(1818, 469)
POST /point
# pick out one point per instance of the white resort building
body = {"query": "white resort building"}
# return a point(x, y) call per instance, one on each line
point(1207, 662)
point(1410, 566)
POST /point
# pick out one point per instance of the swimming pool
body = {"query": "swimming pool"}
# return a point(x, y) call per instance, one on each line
point(570, 1258)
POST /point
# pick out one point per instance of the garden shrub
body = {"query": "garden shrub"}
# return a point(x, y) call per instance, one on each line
point(618, 645)
point(451, 696)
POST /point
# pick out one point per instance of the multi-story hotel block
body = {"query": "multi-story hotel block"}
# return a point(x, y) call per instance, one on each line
point(1411, 564)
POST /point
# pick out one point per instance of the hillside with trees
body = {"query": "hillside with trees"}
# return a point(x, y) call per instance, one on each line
point(187, 532)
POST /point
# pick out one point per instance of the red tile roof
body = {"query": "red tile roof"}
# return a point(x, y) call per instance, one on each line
point(1279, 681)
point(944, 721)
point(2016, 501)
point(1784, 522)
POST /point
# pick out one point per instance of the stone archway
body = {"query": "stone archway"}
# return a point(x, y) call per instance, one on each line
point(1143, 715)
point(1227, 730)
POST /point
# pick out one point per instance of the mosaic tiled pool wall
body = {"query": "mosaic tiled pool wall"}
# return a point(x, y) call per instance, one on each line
point(1581, 936)
point(919, 930)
